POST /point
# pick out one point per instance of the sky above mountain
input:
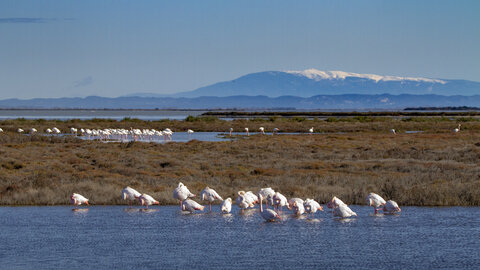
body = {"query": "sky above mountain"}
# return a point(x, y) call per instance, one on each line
point(113, 48)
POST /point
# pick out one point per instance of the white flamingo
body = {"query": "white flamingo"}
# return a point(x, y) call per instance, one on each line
point(1, 130)
point(130, 194)
point(49, 131)
point(77, 199)
point(267, 214)
point(335, 202)
point(391, 207)
point(457, 129)
point(20, 130)
point(311, 130)
point(275, 131)
point(343, 211)
point(246, 131)
point(181, 193)
point(375, 200)
point(209, 195)
point(268, 194)
point(33, 130)
point(279, 201)
point(296, 204)
point(243, 201)
point(56, 130)
point(311, 206)
point(191, 205)
point(189, 132)
point(252, 198)
point(227, 205)
point(147, 200)
point(262, 130)
point(393, 131)
point(231, 131)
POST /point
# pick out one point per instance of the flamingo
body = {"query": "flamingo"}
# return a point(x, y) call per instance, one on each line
point(275, 131)
point(56, 130)
point(246, 131)
point(297, 205)
point(311, 130)
point(227, 205)
point(77, 199)
point(391, 207)
point(334, 202)
point(191, 205)
point(20, 130)
point(130, 194)
point(279, 201)
point(252, 198)
point(48, 130)
point(262, 130)
point(209, 195)
point(343, 211)
point(181, 193)
point(311, 206)
point(242, 200)
point(393, 131)
point(231, 130)
point(375, 200)
point(457, 129)
point(33, 130)
point(73, 131)
point(190, 132)
point(267, 193)
point(147, 200)
point(268, 214)
point(1, 130)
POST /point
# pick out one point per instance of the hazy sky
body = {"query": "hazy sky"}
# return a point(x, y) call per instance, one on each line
point(112, 48)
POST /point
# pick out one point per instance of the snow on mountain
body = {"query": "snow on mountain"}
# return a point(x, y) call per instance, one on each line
point(318, 75)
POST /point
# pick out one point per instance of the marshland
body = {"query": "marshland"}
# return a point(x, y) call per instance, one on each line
point(347, 157)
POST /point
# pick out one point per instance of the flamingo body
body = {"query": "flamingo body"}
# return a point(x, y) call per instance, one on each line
point(227, 205)
point(391, 207)
point(375, 200)
point(191, 206)
point(77, 199)
point(147, 200)
point(130, 194)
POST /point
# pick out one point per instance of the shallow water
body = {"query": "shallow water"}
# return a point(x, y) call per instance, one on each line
point(117, 236)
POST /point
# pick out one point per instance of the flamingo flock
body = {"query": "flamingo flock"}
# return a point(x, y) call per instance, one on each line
point(245, 200)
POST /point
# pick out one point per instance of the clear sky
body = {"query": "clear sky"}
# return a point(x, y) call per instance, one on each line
point(112, 48)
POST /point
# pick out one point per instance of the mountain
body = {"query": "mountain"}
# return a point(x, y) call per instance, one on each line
point(340, 102)
point(312, 82)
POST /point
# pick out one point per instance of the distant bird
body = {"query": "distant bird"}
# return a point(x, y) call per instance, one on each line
point(252, 198)
point(311, 206)
point(267, 214)
point(209, 195)
point(130, 194)
point(243, 201)
point(297, 205)
point(181, 193)
point(267, 193)
point(334, 202)
point(1, 130)
point(147, 200)
point(73, 131)
point(262, 130)
point(77, 199)
point(393, 131)
point(343, 211)
point(231, 130)
point(311, 130)
point(275, 131)
point(48, 131)
point(33, 130)
point(190, 131)
point(246, 131)
point(457, 129)
point(56, 130)
point(391, 207)
point(375, 200)
point(20, 130)
point(227, 205)
point(191, 205)
point(279, 201)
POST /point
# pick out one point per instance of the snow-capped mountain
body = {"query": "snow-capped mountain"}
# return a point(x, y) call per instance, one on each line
point(312, 82)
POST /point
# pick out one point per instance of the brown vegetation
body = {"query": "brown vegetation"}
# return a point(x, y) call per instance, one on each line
point(437, 167)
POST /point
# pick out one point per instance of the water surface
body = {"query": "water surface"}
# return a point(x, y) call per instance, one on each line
point(103, 237)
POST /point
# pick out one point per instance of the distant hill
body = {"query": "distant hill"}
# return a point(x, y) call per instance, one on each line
point(312, 82)
point(348, 101)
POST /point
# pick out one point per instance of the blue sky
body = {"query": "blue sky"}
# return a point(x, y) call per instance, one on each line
point(113, 48)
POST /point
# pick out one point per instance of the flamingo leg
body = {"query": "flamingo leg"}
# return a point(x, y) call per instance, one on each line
point(210, 206)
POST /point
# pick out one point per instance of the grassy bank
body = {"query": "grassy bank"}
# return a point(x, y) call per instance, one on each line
point(432, 168)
